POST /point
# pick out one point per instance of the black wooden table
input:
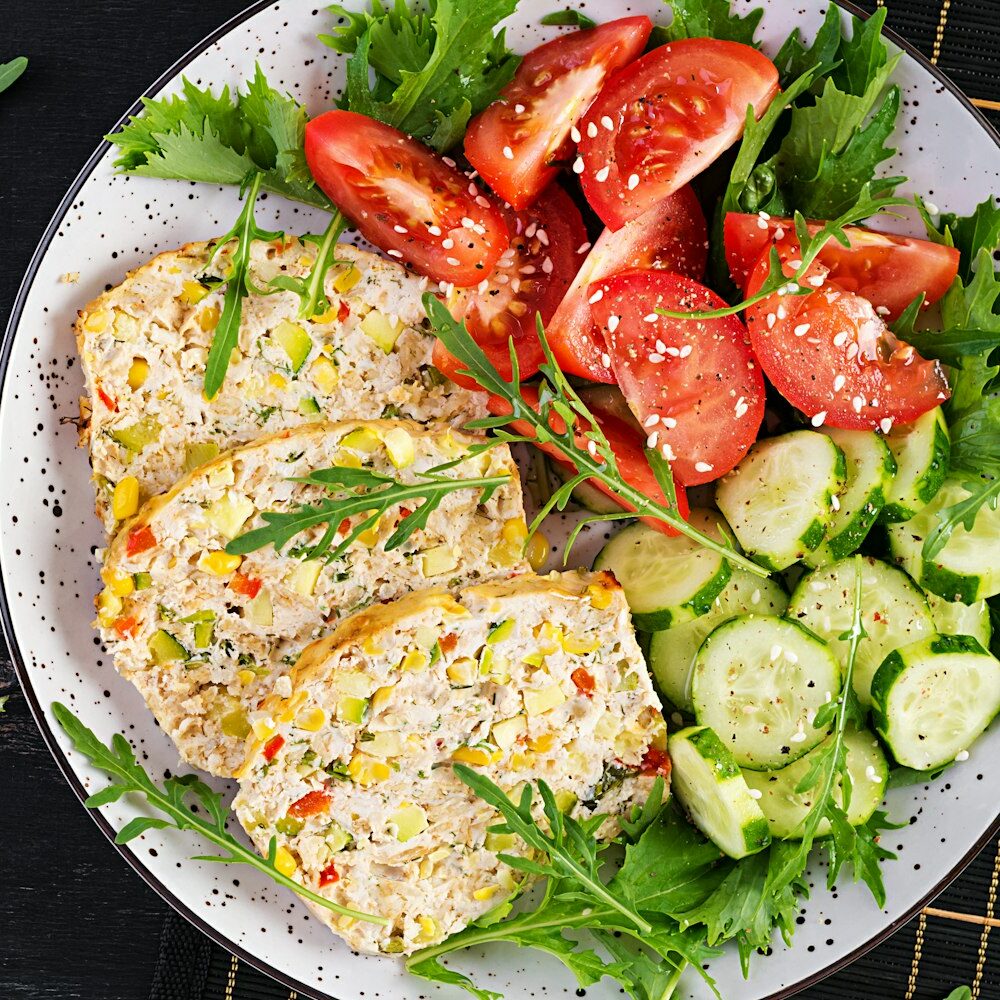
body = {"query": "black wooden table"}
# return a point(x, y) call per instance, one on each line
point(74, 920)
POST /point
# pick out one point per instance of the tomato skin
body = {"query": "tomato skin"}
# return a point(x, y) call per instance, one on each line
point(693, 384)
point(249, 586)
point(656, 762)
point(310, 804)
point(553, 87)
point(888, 270)
point(493, 312)
point(833, 357)
point(672, 236)
point(627, 445)
point(139, 539)
point(671, 113)
point(107, 400)
point(383, 179)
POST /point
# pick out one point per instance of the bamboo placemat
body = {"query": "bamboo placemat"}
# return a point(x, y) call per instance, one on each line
point(953, 943)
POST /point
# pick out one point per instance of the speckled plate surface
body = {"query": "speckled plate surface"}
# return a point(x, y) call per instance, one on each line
point(109, 224)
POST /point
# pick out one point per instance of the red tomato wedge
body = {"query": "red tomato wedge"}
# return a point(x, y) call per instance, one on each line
point(833, 357)
point(405, 198)
point(672, 236)
point(517, 139)
point(888, 270)
point(627, 444)
point(665, 118)
point(694, 385)
point(530, 278)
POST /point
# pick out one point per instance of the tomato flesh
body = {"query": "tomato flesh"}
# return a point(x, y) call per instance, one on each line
point(405, 198)
point(664, 118)
point(627, 444)
point(530, 279)
point(311, 804)
point(139, 540)
point(693, 384)
point(831, 355)
point(517, 139)
point(672, 236)
point(888, 270)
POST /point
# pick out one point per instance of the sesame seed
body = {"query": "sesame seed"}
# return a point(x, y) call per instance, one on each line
point(528, 269)
point(755, 793)
point(652, 439)
point(453, 261)
point(885, 424)
point(483, 285)
point(840, 339)
point(838, 383)
point(448, 243)
point(962, 755)
point(858, 402)
point(597, 296)
point(633, 182)
point(592, 448)
point(591, 130)
point(741, 409)
point(779, 233)
point(578, 165)
point(613, 322)
point(673, 352)
point(651, 421)
point(686, 350)
point(394, 253)
point(883, 310)
point(818, 419)
point(606, 360)
point(655, 358)
point(703, 467)
point(547, 265)
point(771, 320)
point(531, 230)
point(669, 422)
point(607, 123)
point(519, 109)
point(482, 202)
point(574, 134)
point(543, 237)
point(650, 318)
point(802, 329)
point(776, 652)
point(583, 248)
point(872, 775)
point(602, 175)
point(761, 224)
point(449, 161)
point(467, 223)
point(816, 280)
point(508, 152)
point(667, 452)
point(763, 215)
point(434, 230)
point(755, 596)
point(799, 737)
point(399, 229)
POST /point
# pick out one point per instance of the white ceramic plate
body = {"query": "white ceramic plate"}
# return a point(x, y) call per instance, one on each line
point(107, 224)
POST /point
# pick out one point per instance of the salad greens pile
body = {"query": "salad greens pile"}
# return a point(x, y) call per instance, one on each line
point(816, 153)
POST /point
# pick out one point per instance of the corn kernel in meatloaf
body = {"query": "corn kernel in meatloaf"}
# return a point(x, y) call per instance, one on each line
point(204, 635)
point(144, 345)
point(524, 679)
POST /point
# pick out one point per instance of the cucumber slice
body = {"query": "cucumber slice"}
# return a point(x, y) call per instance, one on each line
point(894, 613)
point(921, 450)
point(955, 618)
point(870, 471)
point(758, 682)
point(779, 499)
point(967, 569)
point(711, 788)
point(933, 698)
point(786, 808)
point(671, 653)
point(666, 579)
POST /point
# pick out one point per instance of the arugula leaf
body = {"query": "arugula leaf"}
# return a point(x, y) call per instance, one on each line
point(129, 777)
point(425, 73)
point(10, 71)
point(962, 993)
point(358, 492)
point(708, 19)
point(568, 18)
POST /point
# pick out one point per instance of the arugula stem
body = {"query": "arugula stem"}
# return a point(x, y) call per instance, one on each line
point(314, 300)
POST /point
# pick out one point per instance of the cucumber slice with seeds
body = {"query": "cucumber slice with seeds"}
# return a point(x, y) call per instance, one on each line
point(666, 579)
point(870, 472)
point(786, 808)
point(712, 789)
point(955, 618)
point(758, 682)
point(671, 653)
point(932, 699)
point(894, 613)
point(921, 450)
point(967, 569)
point(779, 499)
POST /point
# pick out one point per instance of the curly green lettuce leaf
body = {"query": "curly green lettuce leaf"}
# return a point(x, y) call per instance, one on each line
point(426, 73)
point(708, 19)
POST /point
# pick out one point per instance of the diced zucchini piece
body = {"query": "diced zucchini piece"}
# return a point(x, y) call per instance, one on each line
point(164, 648)
point(921, 450)
point(259, 610)
point(408, 821)
point(667, 579)
point(932, 699)
point(351, 709)
point(786, 808)
point(204, 634)
point(956, 618)
point(229, 513)
point(438, 560)
point(294, 341)
point(303, 579)
point(967, 569)
point(779, 499)
point(378, 327)
point(870, 472)
point(308, 406)
point(672, 651)
point(139, 435)
point(538, 701)
point(894, 612)
point(198, 454)
point(142, 581)
point(712, 789)
point(759, 682)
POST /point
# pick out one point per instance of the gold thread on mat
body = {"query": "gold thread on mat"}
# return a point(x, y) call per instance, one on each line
point(984, 938)
point(234, 968)
point(939, 33)
point(293, 995)
point(918, 950)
